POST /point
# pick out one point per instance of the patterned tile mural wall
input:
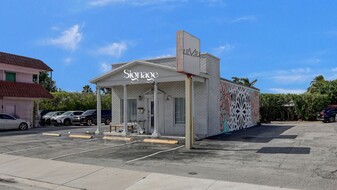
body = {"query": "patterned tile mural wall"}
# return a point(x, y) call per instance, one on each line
point(239, 107)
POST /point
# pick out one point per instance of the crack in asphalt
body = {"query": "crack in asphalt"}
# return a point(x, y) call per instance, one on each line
point(325, 174)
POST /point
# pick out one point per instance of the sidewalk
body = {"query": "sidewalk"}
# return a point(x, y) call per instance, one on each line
point(18, 173)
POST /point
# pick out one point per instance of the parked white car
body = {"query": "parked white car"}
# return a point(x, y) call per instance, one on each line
point(10, 122)
point(66, 118)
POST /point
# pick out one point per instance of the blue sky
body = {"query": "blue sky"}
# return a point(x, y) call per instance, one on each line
point(282, 43)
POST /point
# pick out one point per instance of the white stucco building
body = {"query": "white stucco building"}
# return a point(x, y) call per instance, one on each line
point(155, 94)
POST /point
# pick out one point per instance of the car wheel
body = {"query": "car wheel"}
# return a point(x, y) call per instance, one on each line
point(89, 122)
point(48, 122)
point(107, 121)
point(332, 119)
point(23, 126)
point(66, 122)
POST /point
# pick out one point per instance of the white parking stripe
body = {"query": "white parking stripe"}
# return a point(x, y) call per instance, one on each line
point(141, 158)
point(20, 150)
point(85, 151)
point(32, 141)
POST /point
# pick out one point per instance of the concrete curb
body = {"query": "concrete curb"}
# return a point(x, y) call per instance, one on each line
point(160, 141)
point(51, 134)
point(117, 138)
point(81, 136)
point(21, 182)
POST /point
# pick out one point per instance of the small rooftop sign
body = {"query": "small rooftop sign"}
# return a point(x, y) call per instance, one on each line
point(188, 53)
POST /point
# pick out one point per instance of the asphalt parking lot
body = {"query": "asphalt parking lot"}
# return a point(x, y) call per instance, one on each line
point(300, 155)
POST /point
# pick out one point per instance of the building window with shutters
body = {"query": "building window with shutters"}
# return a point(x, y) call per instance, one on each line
point(10, 76)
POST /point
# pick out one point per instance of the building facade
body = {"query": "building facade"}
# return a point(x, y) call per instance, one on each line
point(155, 94)
point(19, 86)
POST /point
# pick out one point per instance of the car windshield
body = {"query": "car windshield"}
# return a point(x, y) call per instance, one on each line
point(67, 113)
point(88, 112)
point(325, 110)
point(332, 109)
point(51, 113)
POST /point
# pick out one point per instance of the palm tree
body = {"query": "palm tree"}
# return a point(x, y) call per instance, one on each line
point(87, 89)
point(314, 84)
point(244, 81)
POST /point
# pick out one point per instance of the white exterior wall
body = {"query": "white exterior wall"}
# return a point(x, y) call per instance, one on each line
point(23, 107)
point(166, 107)
point(24, 77)
point(23, 74)
point(206, 100)
point(173, 90)
point(200, 109)
point(213, 89)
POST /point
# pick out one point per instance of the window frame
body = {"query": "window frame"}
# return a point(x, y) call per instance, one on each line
point(9, 72)
point(183, 122)
point(133, 114)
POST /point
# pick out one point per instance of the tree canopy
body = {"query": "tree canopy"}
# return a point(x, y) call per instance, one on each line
point(46, 81)
point(87, 89)
point(244, 81)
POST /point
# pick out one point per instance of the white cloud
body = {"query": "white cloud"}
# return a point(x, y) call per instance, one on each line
point(296, 75)
point(244, 19)
point(293, 78)
point(214, 2)
point(69, 39)
point(223, 48)
point(301, 70)
point(334, 69)
point(99, 3)
point(332, 32)
point(114, 50)
point(105, 67)
point(67, 60)
point(312, 60)
point(159, 56)
point(287, 91)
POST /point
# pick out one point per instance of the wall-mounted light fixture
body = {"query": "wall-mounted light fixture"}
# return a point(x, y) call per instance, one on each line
point(140, 97)
point(168, 97)
point(140, 110)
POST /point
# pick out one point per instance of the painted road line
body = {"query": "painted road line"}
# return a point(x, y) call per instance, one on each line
point(39, 147)
point(81, 136)
point(161, 141)
point(21, 150)
point(52, 134)
point(144, 157)
point(117, 138)
point(26, 142)
point(85, 151)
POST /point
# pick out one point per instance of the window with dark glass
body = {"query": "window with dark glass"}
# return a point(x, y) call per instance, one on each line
point(35, 78)
point(132, 110)
point(10, 76)
point(179, 110)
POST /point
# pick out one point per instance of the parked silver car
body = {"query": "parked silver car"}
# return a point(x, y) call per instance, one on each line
point(46, 119)
point(66, 118)
point(10, 122)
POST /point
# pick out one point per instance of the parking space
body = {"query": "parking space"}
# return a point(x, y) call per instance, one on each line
point(294, 155)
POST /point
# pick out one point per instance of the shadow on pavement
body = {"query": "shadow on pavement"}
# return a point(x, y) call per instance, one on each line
point(284, 150)
point(42, 129)
point(258, 134)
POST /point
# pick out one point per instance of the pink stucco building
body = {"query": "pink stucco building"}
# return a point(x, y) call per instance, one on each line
point(19, 85)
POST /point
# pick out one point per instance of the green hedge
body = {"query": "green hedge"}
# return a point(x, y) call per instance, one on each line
point(278, 106)
point(66, 101)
